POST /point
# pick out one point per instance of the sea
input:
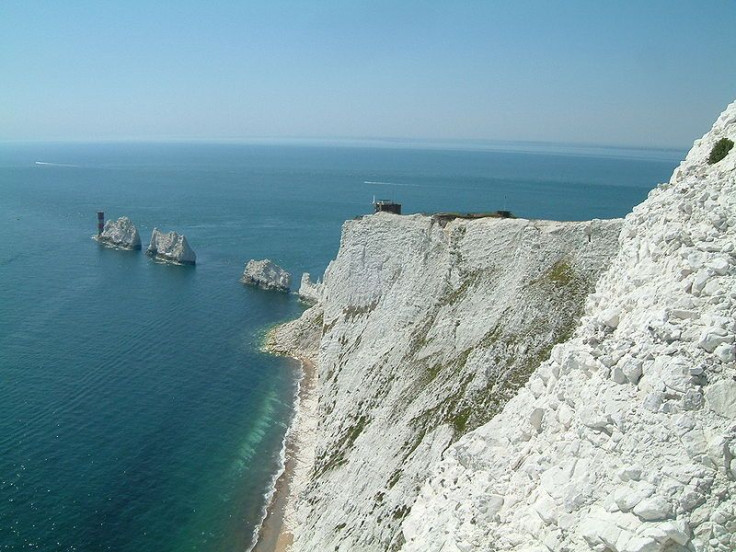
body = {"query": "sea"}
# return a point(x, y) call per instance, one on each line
point(138, 410)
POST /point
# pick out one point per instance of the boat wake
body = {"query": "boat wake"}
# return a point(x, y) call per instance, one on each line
point(54, 164)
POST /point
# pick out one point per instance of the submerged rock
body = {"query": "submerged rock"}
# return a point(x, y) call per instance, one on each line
point(120, 233)
point(171, 247)
point(267, 275)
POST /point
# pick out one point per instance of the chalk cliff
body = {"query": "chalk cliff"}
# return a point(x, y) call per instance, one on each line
point(625, 439)
point(120, 233)
point(171, 247)
point(423, 330)
point(482, 387)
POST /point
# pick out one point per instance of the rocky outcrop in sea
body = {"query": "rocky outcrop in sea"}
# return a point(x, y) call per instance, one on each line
point(120, 233)
point(266, 274)
point(171, 247)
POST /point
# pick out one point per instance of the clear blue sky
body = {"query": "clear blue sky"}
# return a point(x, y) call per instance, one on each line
point(650, 73)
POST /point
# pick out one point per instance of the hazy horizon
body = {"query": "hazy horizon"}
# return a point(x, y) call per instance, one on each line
point(653, 75)
point(480, 146)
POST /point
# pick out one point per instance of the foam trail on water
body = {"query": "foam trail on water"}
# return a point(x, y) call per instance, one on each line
point(55, 164)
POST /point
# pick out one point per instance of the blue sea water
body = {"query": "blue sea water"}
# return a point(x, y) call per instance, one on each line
point(137, 411)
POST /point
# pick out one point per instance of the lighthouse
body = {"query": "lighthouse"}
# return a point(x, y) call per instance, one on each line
point(100, 222)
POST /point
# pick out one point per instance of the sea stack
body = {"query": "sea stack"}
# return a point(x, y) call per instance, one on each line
point(309, 291)
point(266, 275)
point(171, 247)
point(120, 233)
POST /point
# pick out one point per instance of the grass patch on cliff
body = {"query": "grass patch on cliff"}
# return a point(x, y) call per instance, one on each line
point(469, 280)
point(459, 420)
point(454, 411)
point(561, 281)
point(509, 358)
point(353, 312)
point(327, 326)
point(720, 150)
point(355, 431)
point(400, 513)
point(561, 274)
point(419, 336)
point(337, 458)
point(396, 475)
point(455, 367)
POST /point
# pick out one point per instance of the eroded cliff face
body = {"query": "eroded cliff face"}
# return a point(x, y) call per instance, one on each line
point(625, 440)
point(428, 328)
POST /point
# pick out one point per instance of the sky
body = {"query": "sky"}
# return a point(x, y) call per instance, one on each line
point(637, 73)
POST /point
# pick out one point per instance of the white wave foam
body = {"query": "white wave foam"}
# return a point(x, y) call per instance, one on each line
point(270, 494)
point(55, 164)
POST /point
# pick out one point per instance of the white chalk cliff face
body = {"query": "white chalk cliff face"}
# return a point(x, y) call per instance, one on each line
point(120, 233)
point(171, 247)
point(267, 275)
point(625, 440)
point(428, 328)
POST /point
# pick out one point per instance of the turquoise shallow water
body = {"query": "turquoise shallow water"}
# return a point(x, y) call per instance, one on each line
point(136, 410)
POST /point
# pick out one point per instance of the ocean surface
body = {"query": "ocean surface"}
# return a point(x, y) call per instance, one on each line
point(137, 411)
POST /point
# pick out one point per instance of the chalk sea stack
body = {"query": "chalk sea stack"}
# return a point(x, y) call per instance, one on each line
point(309, 291)
point(120, 233)
point(266, 274)
point(171, 247)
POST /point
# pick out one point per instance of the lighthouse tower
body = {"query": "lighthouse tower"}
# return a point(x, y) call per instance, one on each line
point(100, 222)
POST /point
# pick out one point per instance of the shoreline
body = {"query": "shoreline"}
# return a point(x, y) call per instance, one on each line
point(275, 533)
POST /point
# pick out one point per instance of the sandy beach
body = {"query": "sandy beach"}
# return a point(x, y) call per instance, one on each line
point(276, 532)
